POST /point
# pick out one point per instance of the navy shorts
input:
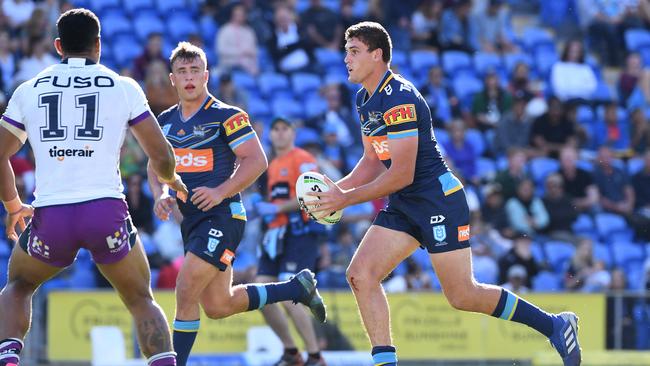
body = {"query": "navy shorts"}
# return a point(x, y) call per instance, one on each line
point(299, 252)
point(438, 218)
point(213, 238)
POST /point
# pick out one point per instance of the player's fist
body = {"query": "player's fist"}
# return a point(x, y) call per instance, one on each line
point(163, 206)
point(176, 184)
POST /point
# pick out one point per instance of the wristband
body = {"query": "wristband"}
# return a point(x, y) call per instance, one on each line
point(13, 206)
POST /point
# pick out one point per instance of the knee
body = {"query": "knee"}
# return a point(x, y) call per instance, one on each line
point(462, 297)
point(361, 277)
point(218, 311)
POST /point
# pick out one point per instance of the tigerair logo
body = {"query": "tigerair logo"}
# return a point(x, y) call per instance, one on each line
point(61, 154)
point(400, 114)
point(380, 144)
point(193, 160)
point(236, 123)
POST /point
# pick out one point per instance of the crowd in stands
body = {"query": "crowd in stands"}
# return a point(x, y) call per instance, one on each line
point(540, 108)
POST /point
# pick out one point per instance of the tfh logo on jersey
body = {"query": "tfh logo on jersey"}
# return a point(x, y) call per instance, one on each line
point(236, 123)
point(193, 160)
point(400, 114)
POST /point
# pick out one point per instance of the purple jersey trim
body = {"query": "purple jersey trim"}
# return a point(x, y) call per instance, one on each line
point(139, 118)
point(14, 123)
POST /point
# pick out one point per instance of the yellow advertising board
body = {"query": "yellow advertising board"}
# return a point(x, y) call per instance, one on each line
point(424, 326)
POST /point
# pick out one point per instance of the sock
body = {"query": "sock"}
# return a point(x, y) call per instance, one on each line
point(314, 356)
point(384, 355)
point(10, 350)
point(291, 351)
point(163, 359)
point(184, 336)
point(260, 295)
point(513, 307)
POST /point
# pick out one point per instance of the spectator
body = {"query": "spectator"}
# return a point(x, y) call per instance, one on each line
point(460, 151)
point(8, 62)
point(39, 58)
point(513, 128)
point(520, 254)
point(493, 28)
point(493, 210)
point(168, 236)
point(520, 83)
point(491, 103)
point(457, 30)
point(159, 90)
point(510, 178)
point(323, 26)
point(639, 132)
point(132, 158)
point(616, 192)
point(561, 212)
point(572, 78)
point(230, 94)
point(348, 18)
point(517, 277)
point(152, 52)
point(578, 183)
point(289, 48)
point(425, 23)
point(486, 243)
point(333, 150)
point(37, 25)
point(416, 278)
point(526, 213)
point(341, 253)
point(551, 131)
point(440, 97)
point(259, 15)
point(236, 43)
point(140, 206)
point(609, 19)
point(629, 79)
point(611, 131)
point(584, 273)
point(641, 185)
point(18, 12)
point(338, 115)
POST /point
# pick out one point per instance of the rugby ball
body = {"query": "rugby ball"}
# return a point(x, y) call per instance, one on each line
point(314, 182)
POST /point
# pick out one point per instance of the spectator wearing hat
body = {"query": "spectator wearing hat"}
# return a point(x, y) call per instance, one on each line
point(517, 277)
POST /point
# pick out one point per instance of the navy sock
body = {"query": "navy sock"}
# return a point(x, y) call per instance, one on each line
point(384, 355)
point(185, 332)
point(513, 307)
point(260, 295)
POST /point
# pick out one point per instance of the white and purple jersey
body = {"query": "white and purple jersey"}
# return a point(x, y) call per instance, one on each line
point(75, 115)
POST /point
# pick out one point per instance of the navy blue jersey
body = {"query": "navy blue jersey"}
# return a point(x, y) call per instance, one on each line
point(204, 146)
point(396, 110)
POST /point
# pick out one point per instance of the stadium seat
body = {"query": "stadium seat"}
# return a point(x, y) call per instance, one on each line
point(603, 93)
point(455, 60)
point(125, 49)
point(545, 58)
point(546, 282)
point(327, 57)
point(306, 135)
point(287, 107)
point(423, 60)
point(441, 135)
point(512, 59)
point(637, 38)
point(626, 252)
point(538, 252)
point(585, 165)
point(612, 227)
point(179, 26)
point(583, 224)
point(585, 114)
point(555, 13)
point(4, 267)
point(115, 24)
point(209, 29)
point(244, 80)
point(399, 58)
point(602, 253)
point(303, 82)
point(486, 168)
point(269, 83)
point(634, 165)
point(99, 6)
point(146, 24)
point(465, 87)
point(536, 37)
point(475, 138)
point(484, 62)
point(259, 108)
point(541, 167)
point(133, 7)
point(169, 6)
point(635, 275)
point(558, 254)
point(314, 106)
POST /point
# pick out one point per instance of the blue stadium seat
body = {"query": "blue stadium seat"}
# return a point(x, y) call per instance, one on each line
point(441, 135)
point(486, 168)
point(399, 58)
point(559, 254)
point(99, 6)
point(168, 6)
point(546, 282)
point(303, 82)
point(244, 80)
point(287, 107)
point(555, 13)
point(602, 253)
point(627, 252)
point(512, 59)
point(179, 26)
point(455, 60)
point(545, 58)
point(259, 108)
point(634, 165)
point(583, 224)
point(125, 49)
point(314, 106)
point(209, 29)
point(305, 135)
point(585, 114)
point(538, 252)
point(272, 82)
point(541, 167)
point(484, 62)
point(465, 87)
point(327, 57)
point(603, 93)
point(536, 37)
point(146, 24)
point(635, 275)
point(475, 138)
point(134, 7)
point(423, 60)
point(115, 24)
point(637, 38)
point(612, 227)
point(585, 165)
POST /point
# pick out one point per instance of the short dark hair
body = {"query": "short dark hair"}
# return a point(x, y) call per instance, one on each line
point(188, 52)
point(372, 35)
point(78, 29)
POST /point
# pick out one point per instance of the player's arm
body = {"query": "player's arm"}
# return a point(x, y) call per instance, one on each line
point(16, 210)
point(367, 169)
point(252, 163)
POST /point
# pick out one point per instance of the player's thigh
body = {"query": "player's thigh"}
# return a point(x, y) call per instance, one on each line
point(130, 276)
point(454, 270)
point(380, 251)
point(194, 278)
point(28, 271)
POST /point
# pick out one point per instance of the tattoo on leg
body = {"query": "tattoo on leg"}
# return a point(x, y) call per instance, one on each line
point(153, 335)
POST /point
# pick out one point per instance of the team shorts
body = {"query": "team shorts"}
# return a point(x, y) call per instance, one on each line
point(298, 252)
point(438, 217)
point(102, 226)
point(213, 238)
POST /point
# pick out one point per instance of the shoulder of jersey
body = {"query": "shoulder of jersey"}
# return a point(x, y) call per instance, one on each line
point(166, 114)
point(400, 86)
point(221, 107)
point(302, 154)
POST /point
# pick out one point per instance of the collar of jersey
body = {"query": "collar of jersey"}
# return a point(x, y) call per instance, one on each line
point(77, 60)
point(209, 98)
point(382, 84)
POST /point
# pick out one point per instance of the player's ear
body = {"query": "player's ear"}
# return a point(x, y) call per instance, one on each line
point(171, 78)
point(57, 46)
point(206, 75)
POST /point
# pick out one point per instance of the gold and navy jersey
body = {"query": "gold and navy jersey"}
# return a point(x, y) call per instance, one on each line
point(397, 110)
point(204, 147)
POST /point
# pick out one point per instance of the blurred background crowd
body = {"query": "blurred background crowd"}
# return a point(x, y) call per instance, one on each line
point(540, 107)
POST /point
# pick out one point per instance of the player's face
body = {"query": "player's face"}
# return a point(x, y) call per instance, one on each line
point(190, 78)
point(359, 61)
point(282, 136)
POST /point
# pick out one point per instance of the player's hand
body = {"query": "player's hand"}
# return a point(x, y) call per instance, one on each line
point(177, 185)
point(205, 198)
point(17, 218)
point(331, 201)
point(163, 206)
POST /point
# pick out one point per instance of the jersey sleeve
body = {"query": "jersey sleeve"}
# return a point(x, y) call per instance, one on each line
point(13, 118)
point(137, 101)
point(400, 113)
point(237, 129)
